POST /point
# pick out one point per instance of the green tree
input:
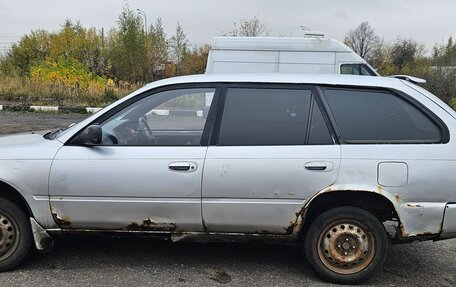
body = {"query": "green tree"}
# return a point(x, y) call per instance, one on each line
point(160, 49)
point(128, 48)
point(406, 53)
point(445, 55)
point(194, 62)
point(179, 46)
point(441, 76)
point(30, 49)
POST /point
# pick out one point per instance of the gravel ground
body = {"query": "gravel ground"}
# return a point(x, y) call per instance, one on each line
point(122, 261)
point(18, 122)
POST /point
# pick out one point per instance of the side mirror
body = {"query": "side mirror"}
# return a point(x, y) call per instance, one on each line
point(92, 135)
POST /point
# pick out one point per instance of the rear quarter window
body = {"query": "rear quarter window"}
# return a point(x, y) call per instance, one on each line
point(365, 116)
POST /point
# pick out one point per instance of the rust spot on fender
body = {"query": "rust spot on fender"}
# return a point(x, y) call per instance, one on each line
point(413, 205)
point(149, 225)
point(291, 228)
point(61, 220)
point(405, 236)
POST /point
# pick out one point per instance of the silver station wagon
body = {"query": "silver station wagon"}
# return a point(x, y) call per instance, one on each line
point(327, 162)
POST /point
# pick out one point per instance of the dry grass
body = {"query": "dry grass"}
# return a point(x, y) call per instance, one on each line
point(29, 91)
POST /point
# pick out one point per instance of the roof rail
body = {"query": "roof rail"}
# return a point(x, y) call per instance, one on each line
point(314, 34)
point(414, 80)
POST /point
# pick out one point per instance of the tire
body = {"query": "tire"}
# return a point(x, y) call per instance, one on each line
point(346, 245)
point(15, 235)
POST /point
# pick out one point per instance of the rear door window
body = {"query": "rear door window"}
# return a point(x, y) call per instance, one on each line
point(260, 116)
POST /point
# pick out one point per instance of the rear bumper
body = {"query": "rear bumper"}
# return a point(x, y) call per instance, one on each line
point(449, 222)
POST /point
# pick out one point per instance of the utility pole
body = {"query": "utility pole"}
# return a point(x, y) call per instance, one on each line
point(141, 12)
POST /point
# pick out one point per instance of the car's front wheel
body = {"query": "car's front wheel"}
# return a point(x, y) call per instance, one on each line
point(346, 245)
point(15, 235)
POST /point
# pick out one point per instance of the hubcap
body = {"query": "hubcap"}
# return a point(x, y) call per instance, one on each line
point(9, 236)
point(346, 247)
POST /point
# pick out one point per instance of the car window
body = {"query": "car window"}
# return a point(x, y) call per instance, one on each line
point(356, 69)
point(174, 117)
point(380, 117)
point(265, 117)
point(319, 133)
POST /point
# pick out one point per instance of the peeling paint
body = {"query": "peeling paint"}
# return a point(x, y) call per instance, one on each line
point(414, 205)
point(296, 225)
point(232, 237)
point(404, 236)
point(60, 220)
point(149, 225)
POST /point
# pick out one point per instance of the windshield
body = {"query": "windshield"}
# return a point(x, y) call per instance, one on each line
point(356, 69)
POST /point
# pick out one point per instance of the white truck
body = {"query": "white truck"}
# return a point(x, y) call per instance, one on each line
point(314, 54)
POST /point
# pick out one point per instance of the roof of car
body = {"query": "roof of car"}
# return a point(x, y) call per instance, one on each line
point(322, 79)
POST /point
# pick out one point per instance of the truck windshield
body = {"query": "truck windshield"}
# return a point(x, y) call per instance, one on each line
point(356, 69)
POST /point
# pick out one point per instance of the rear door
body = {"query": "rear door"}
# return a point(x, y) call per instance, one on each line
point(271, 150)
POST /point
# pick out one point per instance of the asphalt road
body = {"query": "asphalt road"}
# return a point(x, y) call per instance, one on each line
point(126, 261)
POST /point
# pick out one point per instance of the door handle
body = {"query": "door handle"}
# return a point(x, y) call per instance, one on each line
point(319, 166)
point(316, 167)
point(182, 166)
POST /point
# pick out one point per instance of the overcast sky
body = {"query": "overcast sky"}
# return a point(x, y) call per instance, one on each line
point(428, 21)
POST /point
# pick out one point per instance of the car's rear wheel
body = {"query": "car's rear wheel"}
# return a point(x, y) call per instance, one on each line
point(346, 245)
point(15, 235)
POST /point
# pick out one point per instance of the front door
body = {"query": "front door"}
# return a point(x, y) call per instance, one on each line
point(145, 175)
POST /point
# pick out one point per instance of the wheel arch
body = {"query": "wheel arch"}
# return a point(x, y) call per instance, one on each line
point(11, 193)
point(375, 200)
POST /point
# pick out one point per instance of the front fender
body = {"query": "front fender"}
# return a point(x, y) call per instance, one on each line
point(30, 180)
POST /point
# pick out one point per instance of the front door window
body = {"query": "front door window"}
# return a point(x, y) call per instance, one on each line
point(169, 118)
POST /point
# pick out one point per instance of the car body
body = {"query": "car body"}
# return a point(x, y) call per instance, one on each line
point(274, 154)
